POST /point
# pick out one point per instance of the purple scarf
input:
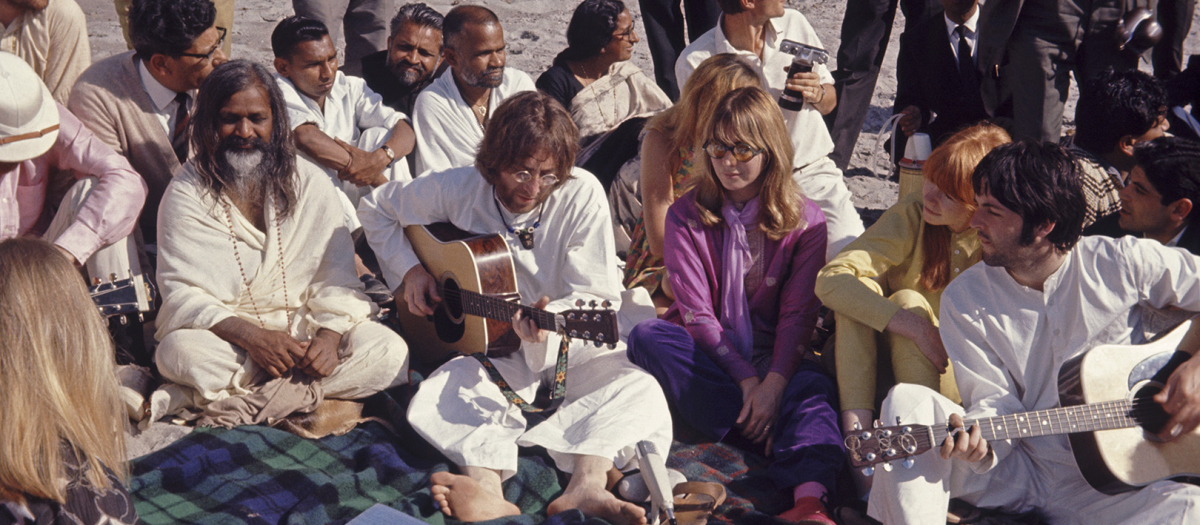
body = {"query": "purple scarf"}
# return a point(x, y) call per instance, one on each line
point(736, 259)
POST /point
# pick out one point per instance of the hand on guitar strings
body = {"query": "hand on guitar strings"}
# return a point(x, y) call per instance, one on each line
point(967, 446)
point(420, 291)
point(760, 407)
point(1180, 398)
point(524, 326)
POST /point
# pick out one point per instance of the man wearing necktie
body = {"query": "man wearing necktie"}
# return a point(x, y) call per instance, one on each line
point(937, 81)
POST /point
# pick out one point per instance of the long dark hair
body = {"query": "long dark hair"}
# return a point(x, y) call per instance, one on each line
point(591, 28)
point(279, 160)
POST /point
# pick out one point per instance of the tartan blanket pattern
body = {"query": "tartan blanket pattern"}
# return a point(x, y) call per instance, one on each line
point(260, 475)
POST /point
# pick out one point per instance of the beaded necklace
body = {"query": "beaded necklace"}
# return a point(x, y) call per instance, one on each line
point(242, 269)
point(525, 235)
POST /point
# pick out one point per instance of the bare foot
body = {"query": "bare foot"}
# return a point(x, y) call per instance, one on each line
point(464, 499)
point(598, 503)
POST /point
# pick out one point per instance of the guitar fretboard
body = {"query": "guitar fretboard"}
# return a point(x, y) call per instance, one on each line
point(1067, 420)
point(495, 308)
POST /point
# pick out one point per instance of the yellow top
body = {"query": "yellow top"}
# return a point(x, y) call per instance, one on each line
point(890, 250)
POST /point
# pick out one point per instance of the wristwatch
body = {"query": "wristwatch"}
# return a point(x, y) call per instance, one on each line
point(388, 151)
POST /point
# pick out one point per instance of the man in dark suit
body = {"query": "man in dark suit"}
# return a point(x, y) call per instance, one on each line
point(1027, 48)
point(1164, 187)
point(937, 83)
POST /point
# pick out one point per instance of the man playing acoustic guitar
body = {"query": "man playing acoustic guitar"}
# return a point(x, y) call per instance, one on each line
point(555, 220)
point(1042, 297)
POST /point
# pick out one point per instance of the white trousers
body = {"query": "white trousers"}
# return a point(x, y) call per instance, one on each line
point(610, 405)
point(115, 261)
point(822, 183)
point(213, 369)
point(921, 495)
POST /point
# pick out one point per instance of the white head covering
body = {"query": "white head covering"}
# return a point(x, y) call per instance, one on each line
point(28, 113)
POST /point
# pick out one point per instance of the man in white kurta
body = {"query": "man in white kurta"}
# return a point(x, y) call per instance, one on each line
point(289, 281)
point(819, 178)
point(610, 403)
point(341, 108)
point(450, 115)
point(1008, 339)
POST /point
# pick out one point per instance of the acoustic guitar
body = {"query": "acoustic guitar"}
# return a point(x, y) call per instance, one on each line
point(478, 285)
point(1107, 411)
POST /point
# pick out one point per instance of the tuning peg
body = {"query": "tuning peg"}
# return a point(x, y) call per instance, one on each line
point(887, 467)
point(96, 281)
point(612, 346)
point(587, 334)
point(606, 303)
point(897, 420)
point(592, 303)
point(875, 423)
point(908, 462)
point(868, 471)
point(141, 318)
point(579, 303)
point(870, 456)
point(857, 426)
point(112, 277)
point(574, 333)
point(866, 434)
point(123, 320)
point(598, 344)
point(599, 338)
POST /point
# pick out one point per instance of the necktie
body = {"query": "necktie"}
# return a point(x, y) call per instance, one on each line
point(966, 66)
point(179, 137)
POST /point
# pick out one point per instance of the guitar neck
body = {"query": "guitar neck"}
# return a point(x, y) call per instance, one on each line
point(497, 309)
point(1067, 420)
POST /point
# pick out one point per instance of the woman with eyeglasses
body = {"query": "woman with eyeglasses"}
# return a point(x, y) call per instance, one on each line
point(63, 452)
point(668, 154)
point(742, 252)
point(608, 97)
point(887, 284)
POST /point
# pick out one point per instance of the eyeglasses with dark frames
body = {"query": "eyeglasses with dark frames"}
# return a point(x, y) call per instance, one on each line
point(625, 35)
point(209, 54)
point(742, 152)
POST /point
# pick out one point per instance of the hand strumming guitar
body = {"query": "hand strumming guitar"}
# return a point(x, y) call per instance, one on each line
point(420, 291)
point(1181, 395)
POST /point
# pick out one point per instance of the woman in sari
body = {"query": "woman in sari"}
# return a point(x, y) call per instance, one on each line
point(742, 252)
point(671, 142)
point(608, 97)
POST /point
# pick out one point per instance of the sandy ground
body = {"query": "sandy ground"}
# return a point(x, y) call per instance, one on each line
point(536, 31)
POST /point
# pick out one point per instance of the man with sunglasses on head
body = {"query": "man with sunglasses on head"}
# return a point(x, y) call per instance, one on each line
point(554, 218)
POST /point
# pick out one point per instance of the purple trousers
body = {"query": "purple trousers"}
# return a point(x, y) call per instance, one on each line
point(808, 443)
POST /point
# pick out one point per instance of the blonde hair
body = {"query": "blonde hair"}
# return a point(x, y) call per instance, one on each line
point(57, 385)
point(684, 122)
point(949, 167)
point(751, 116)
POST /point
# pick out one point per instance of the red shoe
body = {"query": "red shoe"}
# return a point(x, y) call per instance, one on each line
point(808, 511)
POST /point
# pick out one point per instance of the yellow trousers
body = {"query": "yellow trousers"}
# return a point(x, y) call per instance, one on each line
point(858, 349)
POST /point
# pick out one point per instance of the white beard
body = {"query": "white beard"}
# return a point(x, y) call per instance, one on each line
point(247, 173)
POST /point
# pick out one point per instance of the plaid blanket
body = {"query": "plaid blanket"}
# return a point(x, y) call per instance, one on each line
point(259, 475)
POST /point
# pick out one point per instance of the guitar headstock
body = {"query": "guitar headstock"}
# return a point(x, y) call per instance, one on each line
point(868, 447)
point(119, 297)
point(598, 324)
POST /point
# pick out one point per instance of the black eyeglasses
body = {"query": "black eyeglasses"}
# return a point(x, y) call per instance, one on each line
point(742, 152)
point(625, 35)
point(209, 54)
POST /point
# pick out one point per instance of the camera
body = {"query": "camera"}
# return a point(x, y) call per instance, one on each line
point(803, 58)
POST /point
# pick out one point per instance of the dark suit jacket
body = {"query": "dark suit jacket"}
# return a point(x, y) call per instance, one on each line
point(1108, 226)
point(927, 77)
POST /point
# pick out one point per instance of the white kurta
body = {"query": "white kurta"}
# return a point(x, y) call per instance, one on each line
point(1007, 343)
point(819, 178)
point(611, 404)
point(448, 133)
point(201, 281)
point(357, 116)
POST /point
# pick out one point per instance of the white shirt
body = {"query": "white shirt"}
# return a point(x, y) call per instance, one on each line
point(807, 128)
point(572, 256)
point(163, 99)
point(448, 133)
point(1008, 341)
point(350, 107)
point(972, 36)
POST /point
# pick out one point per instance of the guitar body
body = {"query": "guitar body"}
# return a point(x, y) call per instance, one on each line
point(1123, 459)
point(466, 261)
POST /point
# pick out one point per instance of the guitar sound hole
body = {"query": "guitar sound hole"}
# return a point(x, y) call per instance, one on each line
point(1146, 411)
point(448, 316)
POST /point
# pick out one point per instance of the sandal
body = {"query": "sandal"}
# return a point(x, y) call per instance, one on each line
point(632, 486)
point(695, 501)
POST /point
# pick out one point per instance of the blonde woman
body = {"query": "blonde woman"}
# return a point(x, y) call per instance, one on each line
point(742, 253)
point(62, 417)
point(671, 142)
point(890, 279)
